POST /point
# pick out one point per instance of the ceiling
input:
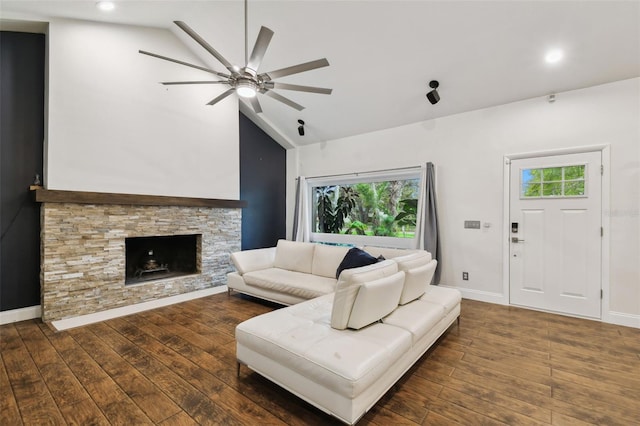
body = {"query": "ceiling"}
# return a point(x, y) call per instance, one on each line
point(384, 53)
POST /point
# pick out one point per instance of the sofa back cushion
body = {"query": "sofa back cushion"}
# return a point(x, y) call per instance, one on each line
point(294, 256)
point(348, 286)
point(375, 300)
point(416, 281)
point(413, 260)
point(388, 253)
point(326, 260)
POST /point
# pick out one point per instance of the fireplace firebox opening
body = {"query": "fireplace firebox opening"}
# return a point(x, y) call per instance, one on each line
point(161, 257)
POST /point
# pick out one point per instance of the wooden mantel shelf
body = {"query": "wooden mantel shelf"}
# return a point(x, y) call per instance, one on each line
point(81, 197)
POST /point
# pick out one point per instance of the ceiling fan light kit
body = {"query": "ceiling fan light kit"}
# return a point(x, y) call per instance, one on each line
point(245, 81)
point(246, 88)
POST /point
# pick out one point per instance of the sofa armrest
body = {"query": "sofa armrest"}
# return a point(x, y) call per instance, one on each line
point(253, 260)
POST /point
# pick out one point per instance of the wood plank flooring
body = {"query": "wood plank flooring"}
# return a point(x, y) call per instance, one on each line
point(176, 366)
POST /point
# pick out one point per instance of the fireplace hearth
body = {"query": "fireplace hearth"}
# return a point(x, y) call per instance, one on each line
point(161, 257)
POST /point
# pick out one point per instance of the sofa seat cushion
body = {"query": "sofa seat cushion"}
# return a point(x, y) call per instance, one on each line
point(417, 317)
point(296, 283)
point(446, 297)
point(300, 337)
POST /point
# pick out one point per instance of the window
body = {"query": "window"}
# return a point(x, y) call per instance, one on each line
point(372, 208)
point(553, 182)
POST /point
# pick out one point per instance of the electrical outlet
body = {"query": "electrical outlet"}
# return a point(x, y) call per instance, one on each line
point(465, 276)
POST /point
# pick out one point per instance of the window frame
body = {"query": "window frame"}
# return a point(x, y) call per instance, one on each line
point(367, 177)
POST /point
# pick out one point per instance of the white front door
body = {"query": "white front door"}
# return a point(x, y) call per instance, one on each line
point(555, 233)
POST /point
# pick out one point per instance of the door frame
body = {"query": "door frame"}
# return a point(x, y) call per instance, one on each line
point(605, 151)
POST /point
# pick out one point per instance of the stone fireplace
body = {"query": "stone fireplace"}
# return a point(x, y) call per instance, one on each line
point(84, 243)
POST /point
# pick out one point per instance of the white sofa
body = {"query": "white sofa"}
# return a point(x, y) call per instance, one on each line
point(342, 351)
point(293, 272)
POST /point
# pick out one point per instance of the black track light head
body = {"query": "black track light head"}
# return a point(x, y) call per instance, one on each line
point(433, 95)
point(301, 127)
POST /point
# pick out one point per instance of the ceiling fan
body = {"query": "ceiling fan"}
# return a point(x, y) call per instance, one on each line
point(246, 81)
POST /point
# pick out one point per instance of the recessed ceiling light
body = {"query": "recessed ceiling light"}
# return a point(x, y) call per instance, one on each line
point(106, 5)
point(554, 56)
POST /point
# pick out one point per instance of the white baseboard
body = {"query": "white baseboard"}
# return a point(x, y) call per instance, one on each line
point(81, 320)
point(31, 312)
point(620, 318)
point(617, 318)
point(480, 296)
point(22, 314)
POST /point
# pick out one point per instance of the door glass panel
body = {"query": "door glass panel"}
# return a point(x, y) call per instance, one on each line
point(552, 174)
point(531, 175)
point(574, 188)
point(566, 181)
point(531, 190)
point(574, 172)
point(552, 189)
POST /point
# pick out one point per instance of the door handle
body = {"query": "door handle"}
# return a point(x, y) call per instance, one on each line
point(516, 240)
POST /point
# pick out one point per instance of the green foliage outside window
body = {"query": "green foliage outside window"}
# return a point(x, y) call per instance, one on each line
point(371, 208)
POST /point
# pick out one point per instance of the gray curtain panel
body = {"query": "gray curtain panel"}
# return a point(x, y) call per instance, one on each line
point(431, 234)
point(296, 213)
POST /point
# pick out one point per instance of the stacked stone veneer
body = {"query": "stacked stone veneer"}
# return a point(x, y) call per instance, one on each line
point(83, 253)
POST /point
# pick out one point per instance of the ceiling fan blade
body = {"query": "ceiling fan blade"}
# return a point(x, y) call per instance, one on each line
point(184, 27)
point(284, 100)
point(259, 49)
point(295, 69)
point(287, 86)
point(198, 67)
point(221, 97)
point(172, 83)
point(255, 104)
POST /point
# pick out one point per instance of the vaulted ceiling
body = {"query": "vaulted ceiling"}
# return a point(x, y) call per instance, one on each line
point(384, 53)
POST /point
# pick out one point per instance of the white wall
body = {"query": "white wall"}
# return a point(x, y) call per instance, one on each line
point(468, 151)
point(113, 128)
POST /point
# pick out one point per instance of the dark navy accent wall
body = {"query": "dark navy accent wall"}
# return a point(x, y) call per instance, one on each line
point(21, 148)
point(263, 172)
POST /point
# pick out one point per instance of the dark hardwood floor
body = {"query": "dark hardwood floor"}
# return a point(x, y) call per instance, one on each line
point(176, 366)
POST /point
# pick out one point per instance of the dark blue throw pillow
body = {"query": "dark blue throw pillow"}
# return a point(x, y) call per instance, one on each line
point(355, 258)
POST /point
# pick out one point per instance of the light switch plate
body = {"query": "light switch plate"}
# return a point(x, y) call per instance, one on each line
point(472, 224)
